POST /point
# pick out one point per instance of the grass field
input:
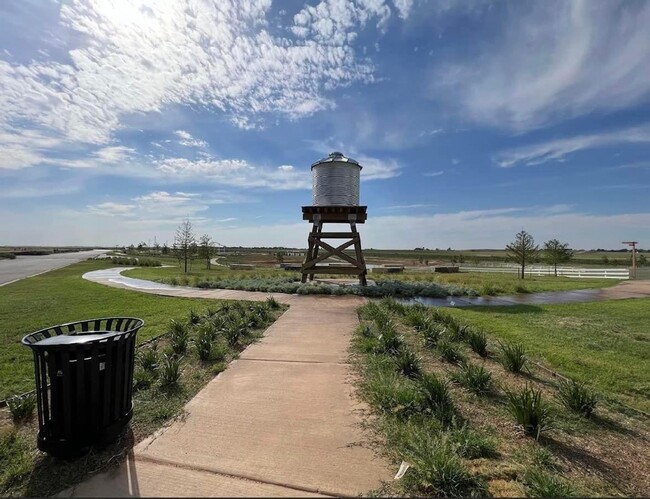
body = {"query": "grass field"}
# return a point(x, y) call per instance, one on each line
point(604, 343)
point(63, 296)
point(483, 283)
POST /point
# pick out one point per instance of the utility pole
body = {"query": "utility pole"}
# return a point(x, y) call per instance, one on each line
point(633, 244)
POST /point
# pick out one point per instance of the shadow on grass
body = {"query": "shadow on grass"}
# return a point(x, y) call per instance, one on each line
point(51, 475)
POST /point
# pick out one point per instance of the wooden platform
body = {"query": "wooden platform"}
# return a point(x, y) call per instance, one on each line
point(320, 215)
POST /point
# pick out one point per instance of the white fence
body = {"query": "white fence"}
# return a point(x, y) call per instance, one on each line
point(619, 273)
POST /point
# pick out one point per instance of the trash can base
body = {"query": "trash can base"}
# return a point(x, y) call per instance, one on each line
point(66, 449)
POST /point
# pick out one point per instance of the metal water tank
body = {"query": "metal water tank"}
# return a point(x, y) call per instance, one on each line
point(335, 181)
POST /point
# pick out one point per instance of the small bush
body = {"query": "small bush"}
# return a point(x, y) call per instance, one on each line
point(143, 379)
point(219, 367)
point(170, 370)
point(529, 411)
point(474, 378)
point(458, 332)
point(513, 356)
point(450, 352)
point(478, 342)
point(21, 407)
point(470, 444)
point(193, 318)
point(577, 397)
point(272, 303)
point(390, 342)
point(437, 470)
point(544, 458)
point(490, 289)
point(541, 483)
point(147, 359)
point(391, 393)
point(203, 343)
point(235, 332)
point(408, 363)
point(179, 337)
point(393, 306)
point(432, 334)
point(436, 397)
point(520, 288)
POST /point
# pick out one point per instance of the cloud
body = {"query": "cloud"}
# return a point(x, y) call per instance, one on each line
point(376, 168)
point(189, 141)
point(434, 174)
point(141, 57)
point(557, 150)
point(112, 209)
point(589, 57)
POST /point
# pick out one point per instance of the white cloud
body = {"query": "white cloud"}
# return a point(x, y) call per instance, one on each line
point(434, 174)
point(140, 57)
point(112, 209)
point(189, 141)
point(557, 150)
point(554, 60)
point(375, 168)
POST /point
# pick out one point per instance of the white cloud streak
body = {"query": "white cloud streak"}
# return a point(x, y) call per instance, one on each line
point(554, 60)
point(557, 150)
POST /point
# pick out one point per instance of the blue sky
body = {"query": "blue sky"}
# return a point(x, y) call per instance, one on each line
point(472, 119)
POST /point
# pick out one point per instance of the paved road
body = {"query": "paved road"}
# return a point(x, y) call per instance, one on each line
point(27, 266)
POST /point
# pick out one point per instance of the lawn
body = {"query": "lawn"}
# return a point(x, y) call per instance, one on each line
point(63, 296)
point(604, 343)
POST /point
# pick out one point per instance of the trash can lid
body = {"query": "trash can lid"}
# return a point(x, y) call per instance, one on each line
point(75, 339)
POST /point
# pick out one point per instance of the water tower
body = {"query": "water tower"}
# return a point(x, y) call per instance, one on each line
point(335, 200)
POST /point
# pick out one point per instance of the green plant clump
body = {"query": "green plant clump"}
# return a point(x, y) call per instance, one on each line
point(450, 352)
point(540, 483)
point(474, 378)
point(408, 363)
point(178, 336)
point(513, 356)
point(170, 371)
point(477, 341)
point(436, 397)
point(577, 397)
point(530, 412)
point(15, 460)
point(21, 407)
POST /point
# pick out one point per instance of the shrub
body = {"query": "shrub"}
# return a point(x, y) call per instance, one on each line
point(21, 407)
point(458, 332)
point(540, 483)
point(432, 334)
point(436, 397)
point(203, 343)
point(393, 305)
point(450, 352)
point(408, 363)
point(529, 411)
point(389, 341)
point(148, 359)
point(478, 342)
point(475, 378)
point(143, 379)
point(219, 351)
point(272, 303)
point(513, 356)
point(391, 393)
point(577, 397)
point(437, 470)
point(544, 458)
point(235, 331)
point(193, 318)
point(470, 444)
point(520, 288)
point(170, 370)
point(490, 289)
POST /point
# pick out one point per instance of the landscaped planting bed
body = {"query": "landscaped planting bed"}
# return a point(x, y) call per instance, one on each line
point(475, 416)
point(170, 370)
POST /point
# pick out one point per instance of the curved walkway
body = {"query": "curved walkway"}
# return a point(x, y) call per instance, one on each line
point(282, 420)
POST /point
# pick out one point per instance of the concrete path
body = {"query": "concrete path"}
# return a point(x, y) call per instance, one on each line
point(282, 420)
point(28, 266)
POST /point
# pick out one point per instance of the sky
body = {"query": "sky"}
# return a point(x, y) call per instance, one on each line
point(472, 119)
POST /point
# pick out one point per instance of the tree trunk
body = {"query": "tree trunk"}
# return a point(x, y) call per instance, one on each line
point(523, 269)
point(555, 269)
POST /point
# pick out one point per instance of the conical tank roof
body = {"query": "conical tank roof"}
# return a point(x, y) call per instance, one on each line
point(336, 157)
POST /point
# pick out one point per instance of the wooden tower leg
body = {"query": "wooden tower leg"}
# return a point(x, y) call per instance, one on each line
point(310, 250)
point(357, 248)
point(316, 245)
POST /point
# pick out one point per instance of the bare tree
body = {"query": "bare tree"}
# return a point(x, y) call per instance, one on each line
point(523, 249)
point(184, 243)
point(206, 249)
point(556, 252)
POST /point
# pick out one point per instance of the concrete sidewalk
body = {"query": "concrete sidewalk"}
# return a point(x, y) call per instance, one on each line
point(282, 420)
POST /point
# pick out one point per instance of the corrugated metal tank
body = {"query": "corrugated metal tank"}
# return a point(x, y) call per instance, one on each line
point(335, 181)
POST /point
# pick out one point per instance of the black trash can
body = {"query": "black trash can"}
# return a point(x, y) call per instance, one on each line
point(84, 381)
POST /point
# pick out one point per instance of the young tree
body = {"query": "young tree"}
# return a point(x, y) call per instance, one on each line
point(523, 249)
point(184, 242)
point(556, 252)
point(206, 249)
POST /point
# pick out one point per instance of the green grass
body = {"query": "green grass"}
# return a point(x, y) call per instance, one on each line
point(63, 296)
point(605, 344)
